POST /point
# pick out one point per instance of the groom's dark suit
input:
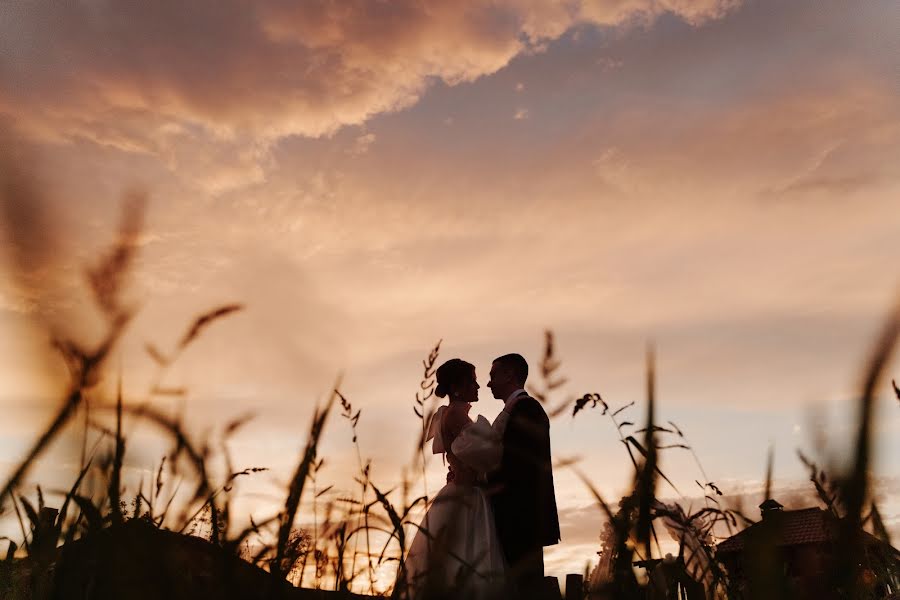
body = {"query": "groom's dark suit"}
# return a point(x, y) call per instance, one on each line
point(523, 497)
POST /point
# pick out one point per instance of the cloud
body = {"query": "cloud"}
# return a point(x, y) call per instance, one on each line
point(609, 64)
point(581, 525)
point(137, 75)
point(694, 12)
point(362, 143)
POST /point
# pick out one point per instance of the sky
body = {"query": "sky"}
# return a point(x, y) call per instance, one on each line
point(719, 178)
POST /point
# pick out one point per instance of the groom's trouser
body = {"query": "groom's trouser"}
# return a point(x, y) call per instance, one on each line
point(526, 567)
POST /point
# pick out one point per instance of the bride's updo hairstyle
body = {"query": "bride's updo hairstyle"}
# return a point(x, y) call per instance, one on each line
point(451, 375)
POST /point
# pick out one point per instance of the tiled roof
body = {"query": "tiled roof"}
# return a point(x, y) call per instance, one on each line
point(795, 527)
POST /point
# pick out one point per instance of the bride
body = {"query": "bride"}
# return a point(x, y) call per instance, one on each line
point(456, 552)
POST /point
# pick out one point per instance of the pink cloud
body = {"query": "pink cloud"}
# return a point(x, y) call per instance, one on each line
point(133, 75)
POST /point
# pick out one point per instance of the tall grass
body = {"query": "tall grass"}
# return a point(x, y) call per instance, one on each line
point(378, 518)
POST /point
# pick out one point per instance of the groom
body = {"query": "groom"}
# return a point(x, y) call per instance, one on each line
point(521, 490)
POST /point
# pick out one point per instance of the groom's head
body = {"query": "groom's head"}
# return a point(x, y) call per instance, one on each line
point(508, 374)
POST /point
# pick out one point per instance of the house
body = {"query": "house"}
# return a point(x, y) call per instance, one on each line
point(791, 552)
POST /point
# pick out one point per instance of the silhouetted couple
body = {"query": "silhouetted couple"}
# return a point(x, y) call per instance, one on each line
point(484, 533)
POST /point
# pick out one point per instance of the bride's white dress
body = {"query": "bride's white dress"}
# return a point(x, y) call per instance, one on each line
point(456, 548)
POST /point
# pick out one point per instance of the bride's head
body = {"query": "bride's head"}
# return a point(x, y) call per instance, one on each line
point(456, 378)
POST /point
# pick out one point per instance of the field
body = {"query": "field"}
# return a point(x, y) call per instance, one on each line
point(165, 538)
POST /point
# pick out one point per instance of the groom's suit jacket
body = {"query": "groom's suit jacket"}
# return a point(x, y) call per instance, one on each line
point(523, 498)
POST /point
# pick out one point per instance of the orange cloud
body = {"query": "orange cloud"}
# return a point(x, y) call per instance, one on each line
point(135, 75)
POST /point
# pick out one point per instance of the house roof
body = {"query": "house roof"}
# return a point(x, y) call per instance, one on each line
point(771, 504)
point(795, 527)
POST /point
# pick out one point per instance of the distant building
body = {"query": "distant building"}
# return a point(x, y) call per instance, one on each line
point(792, 552)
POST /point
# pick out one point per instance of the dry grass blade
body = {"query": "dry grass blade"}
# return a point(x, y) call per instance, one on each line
point(551, 363)
point(878, 526)
point(819, 481)
point(168, 506)
point(21, 521)
point(854, 488)
point(116, 475)
point(232, 426)
point(204, 320)
point(396, 520)
point(632, 442)
point(107, 277)
point(159, 479)
point(30, 512)
point(157, 356)
point(594, 492)
point(72, 491)
point(254, 527)
point(594, 399)
point(618, 410)
point(550, 381)
point(65, 413)
point(174, 429)
point(427, 385)
point(298, 482)
point(668, 446)
point(623, 583)
point(431, 361)
point(90, 512)
point(646, 484)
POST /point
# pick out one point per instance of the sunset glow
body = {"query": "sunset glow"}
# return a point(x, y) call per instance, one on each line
point(719, 179)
